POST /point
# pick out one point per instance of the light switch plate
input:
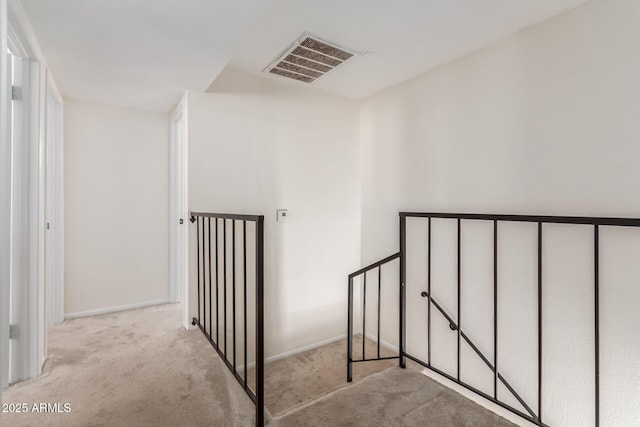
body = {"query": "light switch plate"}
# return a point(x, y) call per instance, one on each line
point(282, 215)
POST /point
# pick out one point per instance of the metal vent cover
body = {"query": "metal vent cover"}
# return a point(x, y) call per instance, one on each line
point(308, 59)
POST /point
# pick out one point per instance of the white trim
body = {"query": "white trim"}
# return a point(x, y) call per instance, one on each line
point(22, 33)
point(116, 309)
point(304, 348)
point(26, 273)
point(178, 208)
point(53, 91)
point(39, 316)
point(297, 350)
point(383, 343)
point(15, 41)
point(5, 202)
point(54, 205)
point(489, 405)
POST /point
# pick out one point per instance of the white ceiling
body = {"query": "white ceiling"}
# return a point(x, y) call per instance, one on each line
point(402, 38)
point(145, 53)
point(139, 53)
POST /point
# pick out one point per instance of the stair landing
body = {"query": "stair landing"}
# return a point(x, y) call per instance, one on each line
point(394, 397)
point(306, 376)
point(310, 389)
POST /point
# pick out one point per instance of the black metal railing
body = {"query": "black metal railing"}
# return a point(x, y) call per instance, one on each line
point(222, 250)
point(377, 266)
point(534, 416)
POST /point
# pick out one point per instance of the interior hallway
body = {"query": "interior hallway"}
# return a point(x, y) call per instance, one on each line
point(141, 368)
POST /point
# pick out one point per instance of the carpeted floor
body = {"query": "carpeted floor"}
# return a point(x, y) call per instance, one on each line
point(141, 368)
point(134, 368)
point(394, 397)
point(308, 375)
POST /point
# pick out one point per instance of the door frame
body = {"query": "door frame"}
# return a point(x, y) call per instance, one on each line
point(54, 206)
point(26, 284)
point(5, 201)
point(178, 211)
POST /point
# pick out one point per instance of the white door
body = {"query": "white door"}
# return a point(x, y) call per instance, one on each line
point(25, 296)
point(5, 200)
point(18, 180)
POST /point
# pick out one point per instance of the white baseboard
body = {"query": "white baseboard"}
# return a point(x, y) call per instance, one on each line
point(189, 326)
point(115, 309)
point(296, 351)
point(319, 344)
point(304, 348)
point(383, 343)
point(374, 338)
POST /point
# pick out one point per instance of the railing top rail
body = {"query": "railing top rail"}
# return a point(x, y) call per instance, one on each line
point(241, 217)
point(583, 220)
point(374, 265)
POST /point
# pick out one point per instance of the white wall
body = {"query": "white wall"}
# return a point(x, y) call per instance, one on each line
point(256, 145)
point(544, 122)
point(116, 207)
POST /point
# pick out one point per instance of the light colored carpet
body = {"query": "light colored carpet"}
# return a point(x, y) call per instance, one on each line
point(308, 375)
point(134, 368)
point(394, 397)
point(141, 368)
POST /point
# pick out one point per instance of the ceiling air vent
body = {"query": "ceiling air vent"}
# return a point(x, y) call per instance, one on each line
point(308, 59)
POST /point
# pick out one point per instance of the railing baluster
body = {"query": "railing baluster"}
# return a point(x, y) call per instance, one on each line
point(224, 273)
point(459, 312)
point(540, 322)
point(198, 248)
point(429, 292)
point(596, 271)
point(204, 281)
point(260, 322)
point(379, 297)
point(531, 414)
point(205, 253)
point(209, 265)
point(244, 294)
point(495, 309)
point(233, 286)
point(364, 312)
point(204, 278)
point(217, 294)
point(402, 294)
point(453, 326)
point(363, 273)
point(349, 328)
